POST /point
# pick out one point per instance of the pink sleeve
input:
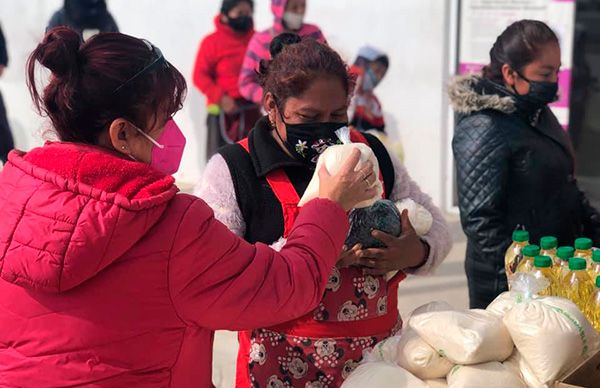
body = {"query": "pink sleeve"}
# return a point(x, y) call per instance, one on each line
point(219, 281)
point(248, 82)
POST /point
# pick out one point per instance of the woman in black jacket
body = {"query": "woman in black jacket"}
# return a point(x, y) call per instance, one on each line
point(515, 163)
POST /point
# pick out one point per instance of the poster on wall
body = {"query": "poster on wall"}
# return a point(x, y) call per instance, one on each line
point(481, 21)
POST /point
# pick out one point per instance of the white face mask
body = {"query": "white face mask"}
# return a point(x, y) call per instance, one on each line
point(293, 21)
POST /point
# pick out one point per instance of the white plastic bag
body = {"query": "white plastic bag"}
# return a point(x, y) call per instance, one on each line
point(503, 303)
point(486, 375)
point(419, 358)
point(420, 218)
point(431, 307)
point(551, 334)
point(386, 350)
point(334, 157)
point(517, 364)
point(382, 375)
point(464, 337)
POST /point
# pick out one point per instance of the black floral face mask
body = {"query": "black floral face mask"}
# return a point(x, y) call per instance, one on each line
point(308, 141)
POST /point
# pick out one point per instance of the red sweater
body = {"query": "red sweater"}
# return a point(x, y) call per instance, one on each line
point(109, 278)
point(219, 61)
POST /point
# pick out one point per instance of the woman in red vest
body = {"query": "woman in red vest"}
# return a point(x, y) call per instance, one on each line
point(254, 188)
point(216, 72)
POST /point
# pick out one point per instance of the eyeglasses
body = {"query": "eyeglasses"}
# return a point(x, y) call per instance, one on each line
point(159, 60)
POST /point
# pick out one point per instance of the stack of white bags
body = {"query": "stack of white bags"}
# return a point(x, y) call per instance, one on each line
point(519, 341)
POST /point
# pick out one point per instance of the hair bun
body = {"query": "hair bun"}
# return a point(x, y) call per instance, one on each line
point(59, 51)
point(282, 40)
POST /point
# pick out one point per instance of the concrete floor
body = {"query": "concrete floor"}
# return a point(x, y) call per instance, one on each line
point(448, 284)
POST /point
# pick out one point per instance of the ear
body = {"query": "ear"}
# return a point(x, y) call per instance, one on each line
point(509, 75)
point(120, 133)
point(270, 106)
point(224, 18)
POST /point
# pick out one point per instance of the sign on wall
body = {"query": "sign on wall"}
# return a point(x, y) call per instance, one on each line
point(481, 21)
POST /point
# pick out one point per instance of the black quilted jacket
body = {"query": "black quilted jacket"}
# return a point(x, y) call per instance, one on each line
point(514, 168)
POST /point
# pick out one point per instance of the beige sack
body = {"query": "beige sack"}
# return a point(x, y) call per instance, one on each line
point(551, 334)
point(487, 375)
point(382, 375)
point(416, 356)
point(464, 337)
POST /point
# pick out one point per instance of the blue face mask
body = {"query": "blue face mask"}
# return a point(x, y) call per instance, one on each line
point(370, 80)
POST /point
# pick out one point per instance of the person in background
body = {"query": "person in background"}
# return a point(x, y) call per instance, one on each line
point(216, 73)
point(370, 66)
point(6, 139)
point(366, 113)
point(514, 162)
point(255, 186)
point(109, 276)
point(87, 17)
point(289, 17)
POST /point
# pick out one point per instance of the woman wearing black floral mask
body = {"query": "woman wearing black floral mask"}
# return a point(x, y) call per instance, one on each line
point(514, 161)
point(254, 188)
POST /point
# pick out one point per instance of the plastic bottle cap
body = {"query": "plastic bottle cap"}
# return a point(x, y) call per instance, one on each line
point(542, 261)
point(583, 244)
point(598, 281)
point(520, 236)
point(548, 242)
point(531, 251)
point(577, 263)
point(596, 255)
point(565, 253)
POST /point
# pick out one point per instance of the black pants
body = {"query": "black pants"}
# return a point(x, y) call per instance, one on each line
point(6, 139)
point(486, 280)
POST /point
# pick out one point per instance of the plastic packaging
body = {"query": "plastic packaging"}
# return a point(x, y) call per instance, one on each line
point(334, 157)
point(419, 358)
point(577, 285)
point(583, 248)
point(561, 268)
point(543, 269)
point(529, 254)
point(487, 375)
point(548, 245)
point(464, 337)
point(420, 218)
point(593, 308)
point(551, 334)
point(513, 254)
point(594, 268)
point(382, 375)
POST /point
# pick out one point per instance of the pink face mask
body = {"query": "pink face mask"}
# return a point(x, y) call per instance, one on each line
point(168, 149)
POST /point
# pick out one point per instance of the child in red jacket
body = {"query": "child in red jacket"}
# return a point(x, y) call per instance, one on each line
point(216, 72)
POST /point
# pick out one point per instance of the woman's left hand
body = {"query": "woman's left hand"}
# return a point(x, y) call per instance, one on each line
point(406, 251)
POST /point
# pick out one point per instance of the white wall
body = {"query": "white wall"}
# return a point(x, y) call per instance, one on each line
point(414, 34)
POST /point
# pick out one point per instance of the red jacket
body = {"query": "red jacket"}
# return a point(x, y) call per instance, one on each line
point(111, 278)
point(219, 61)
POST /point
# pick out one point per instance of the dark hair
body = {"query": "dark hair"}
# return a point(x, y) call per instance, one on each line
point(517, 46)
point(384, 60)
point(296, 63)
point(228, 5)
point(80, 98)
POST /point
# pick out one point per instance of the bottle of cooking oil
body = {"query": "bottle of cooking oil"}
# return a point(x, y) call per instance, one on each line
point(577, 285)
point(529, 254)
point(583, 248)
point(594, 269)
point(513, 254)
point(543, 269)
point(548, 245)
point(561, 267)
point(594, 306)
